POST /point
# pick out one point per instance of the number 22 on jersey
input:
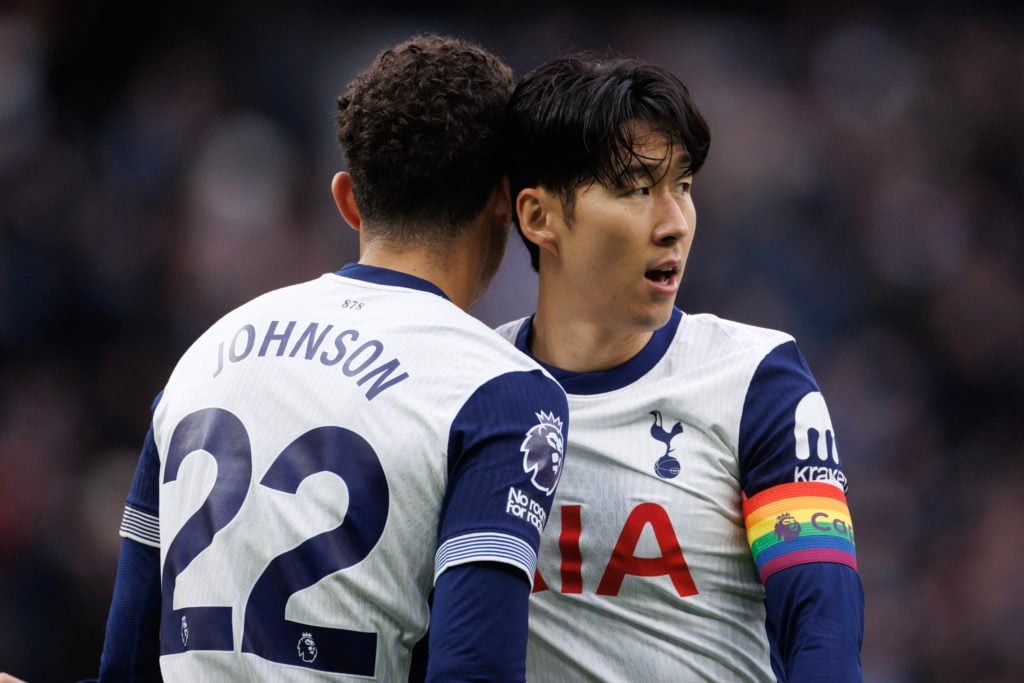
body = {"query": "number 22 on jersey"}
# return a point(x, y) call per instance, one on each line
point(266, 632)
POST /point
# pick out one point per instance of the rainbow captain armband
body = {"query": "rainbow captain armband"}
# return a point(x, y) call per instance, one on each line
point(799, 523)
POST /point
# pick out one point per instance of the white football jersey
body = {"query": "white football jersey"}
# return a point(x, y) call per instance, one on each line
point(308, 445)
point(646, 570)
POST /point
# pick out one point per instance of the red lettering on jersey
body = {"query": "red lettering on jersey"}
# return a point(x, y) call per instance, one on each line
point(538, 582)
point(624, 562)
point(569, 545)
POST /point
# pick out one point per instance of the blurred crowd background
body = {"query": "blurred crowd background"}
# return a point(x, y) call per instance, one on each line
point(162, 162)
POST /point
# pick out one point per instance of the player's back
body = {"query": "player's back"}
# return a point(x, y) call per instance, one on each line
point(304, 444)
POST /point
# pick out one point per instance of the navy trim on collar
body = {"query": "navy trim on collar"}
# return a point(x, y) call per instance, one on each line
point(386, 276)
point(614, 378)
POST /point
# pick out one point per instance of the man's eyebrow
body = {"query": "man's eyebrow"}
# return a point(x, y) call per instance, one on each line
point(682, 162)
point(639, 169)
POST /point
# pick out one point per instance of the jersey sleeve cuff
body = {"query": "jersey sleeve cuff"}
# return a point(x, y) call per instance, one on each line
point(140, 526)
point(486, 547)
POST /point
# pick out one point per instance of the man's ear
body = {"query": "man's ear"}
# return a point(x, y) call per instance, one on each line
point(540, 214)
point(341, 188)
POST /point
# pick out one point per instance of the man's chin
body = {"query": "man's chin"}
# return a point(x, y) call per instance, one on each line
point(656, 318)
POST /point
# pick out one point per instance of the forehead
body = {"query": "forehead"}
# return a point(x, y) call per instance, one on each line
point(646, 150)
point(646, 138)
point(638, 150)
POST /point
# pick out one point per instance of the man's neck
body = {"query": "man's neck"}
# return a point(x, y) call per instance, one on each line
point(577, 343)
point(448, 271)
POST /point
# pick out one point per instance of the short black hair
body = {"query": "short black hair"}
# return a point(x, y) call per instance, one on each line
point(572, 121)
point(421, 132)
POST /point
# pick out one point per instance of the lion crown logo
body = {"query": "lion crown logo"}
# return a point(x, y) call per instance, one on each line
point(543, 449)
point(786, 528)
point(307, 648)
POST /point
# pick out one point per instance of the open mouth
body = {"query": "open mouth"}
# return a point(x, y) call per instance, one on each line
point(661, 276)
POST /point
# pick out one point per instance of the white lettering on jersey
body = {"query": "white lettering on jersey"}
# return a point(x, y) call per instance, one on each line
point(521, 506)
point(824, 474)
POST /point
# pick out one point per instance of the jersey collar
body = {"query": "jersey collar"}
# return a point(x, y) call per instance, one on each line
point(385, 276)
point(613, 378)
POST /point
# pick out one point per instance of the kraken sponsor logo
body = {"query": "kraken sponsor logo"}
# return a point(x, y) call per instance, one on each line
point(815, 436)
point(829, 475)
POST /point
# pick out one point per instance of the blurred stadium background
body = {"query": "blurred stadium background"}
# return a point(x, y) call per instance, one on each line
point(160, 163)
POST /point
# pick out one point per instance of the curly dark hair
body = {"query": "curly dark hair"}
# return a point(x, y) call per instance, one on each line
point(421, 131)
point(571, 122)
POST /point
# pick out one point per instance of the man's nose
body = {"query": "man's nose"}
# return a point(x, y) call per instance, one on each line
point(673, 222)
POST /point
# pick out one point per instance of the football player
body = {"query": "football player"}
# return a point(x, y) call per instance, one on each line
point(329, 455)
point(701, 530)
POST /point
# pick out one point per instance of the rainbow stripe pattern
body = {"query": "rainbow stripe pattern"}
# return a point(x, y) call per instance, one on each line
point(798, 523)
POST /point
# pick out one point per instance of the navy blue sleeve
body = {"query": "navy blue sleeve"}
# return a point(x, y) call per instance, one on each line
point(786, 433)
point(505, 458)
point(145, 489)
point(131, 649)
point(815, 623)
point(815, 610)
point(478, 624)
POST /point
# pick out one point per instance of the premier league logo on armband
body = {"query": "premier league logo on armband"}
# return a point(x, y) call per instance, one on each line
point(786, 527)
point(307, 648)
point(543, 452)
point(667, 467)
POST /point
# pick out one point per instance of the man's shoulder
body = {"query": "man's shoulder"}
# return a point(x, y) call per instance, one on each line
point(709, 330)
point(510, 330)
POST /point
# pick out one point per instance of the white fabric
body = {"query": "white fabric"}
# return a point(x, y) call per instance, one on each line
point(645, 630)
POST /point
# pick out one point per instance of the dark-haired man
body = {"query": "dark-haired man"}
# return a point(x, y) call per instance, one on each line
point(326, 455)
point(701, 530)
